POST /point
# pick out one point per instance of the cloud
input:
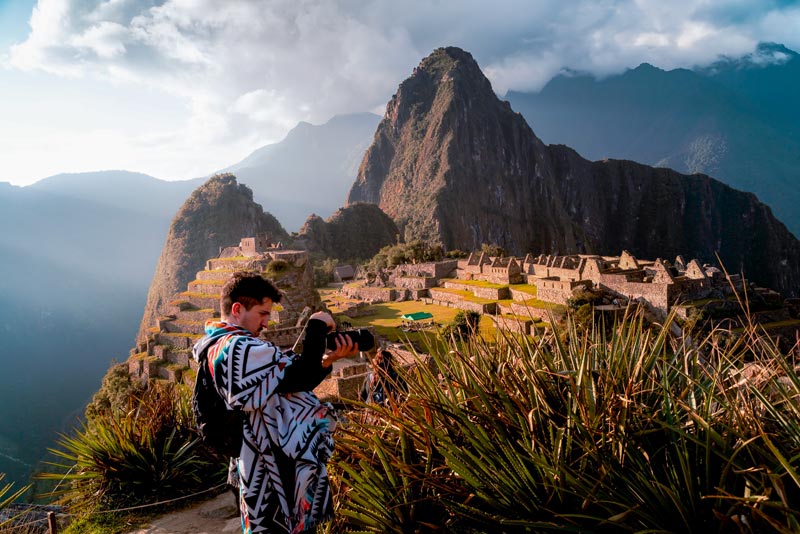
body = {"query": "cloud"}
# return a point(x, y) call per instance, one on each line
point(250, 69)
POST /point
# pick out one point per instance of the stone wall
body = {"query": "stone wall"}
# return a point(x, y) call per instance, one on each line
point(415, 282)
point(297, 257)
point(540, 314)
point(437, 269)
point(443, 298)
point(418, 294)
point(564, 274)
point(234, 264)
point(660, 296)
point(371, 294)
point(692, 288)
point(556, 291)
point(513, 324)
point(492, 293)
point(222, 274)
point(282, 337)
point(500, 275)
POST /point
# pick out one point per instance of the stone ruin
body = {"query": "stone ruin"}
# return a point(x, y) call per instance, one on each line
point(166, 354)
point(659, 285)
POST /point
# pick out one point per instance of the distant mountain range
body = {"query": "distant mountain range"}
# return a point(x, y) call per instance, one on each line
point(310, 171)
point(737, 120)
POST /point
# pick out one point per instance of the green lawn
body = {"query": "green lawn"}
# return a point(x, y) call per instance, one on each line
point(525, 288)
point(199, 295)
point(210, 282)
point(542, 305)
point(387, 317)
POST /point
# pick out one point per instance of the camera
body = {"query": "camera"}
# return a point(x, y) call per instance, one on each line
point(362, 336)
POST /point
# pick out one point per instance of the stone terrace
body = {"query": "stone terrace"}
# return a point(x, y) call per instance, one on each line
point(166, 354)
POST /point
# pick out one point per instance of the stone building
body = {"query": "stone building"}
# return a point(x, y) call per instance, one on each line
point(660, 283)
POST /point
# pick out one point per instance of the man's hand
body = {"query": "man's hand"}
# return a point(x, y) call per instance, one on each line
point(344, 345)
point(344, 349)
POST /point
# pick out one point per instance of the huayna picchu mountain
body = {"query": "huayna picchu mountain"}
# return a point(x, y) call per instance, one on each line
point(215, 215)
point(450, 162)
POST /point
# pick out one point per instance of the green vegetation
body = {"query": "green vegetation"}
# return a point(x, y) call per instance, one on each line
point(544, 305)
point(492, 249)
point(619, 432)
point(210, 282)
point(116, 392)
point(415, 251)
point(197, 294)
point(525, 288)
point(143, 451)
point(585, 427)
point(465, 325)
point(277, 268)
point(323, 271)
point(181, 334)
point(8, 495)
point(456, 254)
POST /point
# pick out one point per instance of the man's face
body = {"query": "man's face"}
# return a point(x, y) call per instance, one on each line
point(253, 319)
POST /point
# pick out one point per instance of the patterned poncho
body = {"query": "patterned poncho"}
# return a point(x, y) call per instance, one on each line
point(288, 438)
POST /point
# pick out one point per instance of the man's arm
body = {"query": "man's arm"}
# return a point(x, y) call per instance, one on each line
point(306, 371)
point(313, 366)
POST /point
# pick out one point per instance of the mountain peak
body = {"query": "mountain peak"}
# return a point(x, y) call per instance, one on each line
point(449, 64)
point(774, 49)
point(447, 58)
point(217, 214)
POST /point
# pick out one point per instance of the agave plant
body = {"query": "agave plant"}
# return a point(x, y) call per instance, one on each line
point(7, 496)
point(625, 428)
point(147, 454)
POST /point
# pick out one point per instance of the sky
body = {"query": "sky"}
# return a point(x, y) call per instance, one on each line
point(180, 88)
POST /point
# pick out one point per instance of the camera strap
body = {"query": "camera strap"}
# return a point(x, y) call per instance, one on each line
point(303, 315)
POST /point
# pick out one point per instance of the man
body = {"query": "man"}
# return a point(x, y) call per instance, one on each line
point(288, 432)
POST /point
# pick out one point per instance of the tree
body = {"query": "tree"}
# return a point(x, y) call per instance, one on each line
point(492, 249)
point(464, 325)
point(323, 272)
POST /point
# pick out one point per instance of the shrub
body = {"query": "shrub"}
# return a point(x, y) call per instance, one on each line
point(625, 430)
point(464, 325)
point(148, 453)
point(115, 394)
point(277, 267)
point(323, 272)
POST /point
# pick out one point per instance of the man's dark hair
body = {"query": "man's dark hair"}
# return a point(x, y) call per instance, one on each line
point(247, 288)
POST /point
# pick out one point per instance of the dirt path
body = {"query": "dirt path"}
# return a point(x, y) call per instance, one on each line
point(215, 516)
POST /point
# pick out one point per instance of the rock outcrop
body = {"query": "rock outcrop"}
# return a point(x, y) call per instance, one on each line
point(216, 214)
point(452, 163)
point(356, 232)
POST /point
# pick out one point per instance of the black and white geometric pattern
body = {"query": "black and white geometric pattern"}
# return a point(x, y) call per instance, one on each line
point(288, 438)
